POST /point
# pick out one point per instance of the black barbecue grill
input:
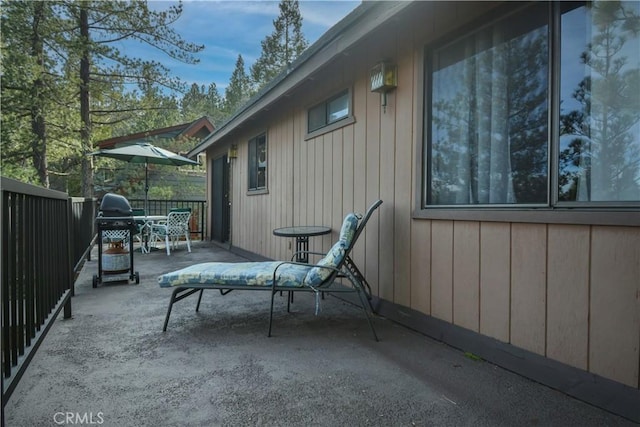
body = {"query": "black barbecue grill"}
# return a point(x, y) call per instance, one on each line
point(116, 227)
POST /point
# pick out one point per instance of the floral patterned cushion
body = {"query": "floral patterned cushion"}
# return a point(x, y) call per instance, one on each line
point(260, 274)
point(334, 257)
point(252, 274)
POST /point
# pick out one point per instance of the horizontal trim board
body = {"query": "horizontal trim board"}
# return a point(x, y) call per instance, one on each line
point(330, 127)
point(598, 391)
point(629, 217)
point(606, 394)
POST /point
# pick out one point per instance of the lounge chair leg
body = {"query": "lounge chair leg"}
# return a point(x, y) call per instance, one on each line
point(363, 301)
point(173, 299)
point(199, 299)
point(273, 295)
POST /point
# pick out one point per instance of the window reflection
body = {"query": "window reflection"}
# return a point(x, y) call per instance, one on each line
point(489, 133)
point(599, 157)
point(328, 112)
point(258, 162)
point(489, 125)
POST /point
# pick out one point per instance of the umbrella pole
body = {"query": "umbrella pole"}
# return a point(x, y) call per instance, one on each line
point(146, 187)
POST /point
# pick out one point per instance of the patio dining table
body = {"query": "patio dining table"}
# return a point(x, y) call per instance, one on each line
point(302, 234)
point(147, 221)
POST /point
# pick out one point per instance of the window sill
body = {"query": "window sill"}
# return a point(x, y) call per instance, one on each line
point(330, 128)
point(619, 217)
point(257, 192)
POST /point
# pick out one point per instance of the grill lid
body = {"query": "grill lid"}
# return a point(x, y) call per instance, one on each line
point(115, 205)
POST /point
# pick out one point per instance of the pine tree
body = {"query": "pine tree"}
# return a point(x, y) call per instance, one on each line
point(215, 105)
point(28, 88)
point(101, 24)
point(199, 102)
point(238, 91)
point(52, 50)
point(282, 47)
point(194, 103)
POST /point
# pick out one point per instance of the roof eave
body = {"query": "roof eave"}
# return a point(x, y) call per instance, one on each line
point(338, 39)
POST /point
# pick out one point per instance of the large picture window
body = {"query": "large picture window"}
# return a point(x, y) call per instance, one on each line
point(258, 163)
point(500, 132)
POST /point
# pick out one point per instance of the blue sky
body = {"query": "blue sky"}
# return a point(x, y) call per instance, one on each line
point(228, 28)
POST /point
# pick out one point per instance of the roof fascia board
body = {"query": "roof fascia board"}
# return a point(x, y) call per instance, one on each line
point(138, 135)
point(376, 15)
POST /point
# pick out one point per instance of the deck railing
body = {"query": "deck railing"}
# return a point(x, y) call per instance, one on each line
point(44, 235)
point(83, 231)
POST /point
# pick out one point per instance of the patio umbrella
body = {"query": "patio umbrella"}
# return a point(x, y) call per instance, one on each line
point(145, 153)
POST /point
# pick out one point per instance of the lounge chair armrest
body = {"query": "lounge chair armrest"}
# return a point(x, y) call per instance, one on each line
point(275, 271)
point(297, 253)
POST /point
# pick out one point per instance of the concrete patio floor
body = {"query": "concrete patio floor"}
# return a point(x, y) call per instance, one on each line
point(112, 364)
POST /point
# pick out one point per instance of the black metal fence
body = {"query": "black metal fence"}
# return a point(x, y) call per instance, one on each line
point(44, 235)
point(83, 233)
point(162, 207)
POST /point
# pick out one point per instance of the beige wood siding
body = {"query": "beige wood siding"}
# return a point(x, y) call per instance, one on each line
point(571, 293)
point(615, 303)
point(466, 274)
point(420, 265)
point(568, 294)
point(442, 270)
point(528, 292)
point(495, 280)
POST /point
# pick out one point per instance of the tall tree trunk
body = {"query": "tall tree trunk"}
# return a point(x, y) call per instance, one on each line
point(85, 130)
point(38, 125)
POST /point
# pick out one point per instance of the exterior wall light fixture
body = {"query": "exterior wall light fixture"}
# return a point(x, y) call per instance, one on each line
point(232, 153)
point(384, 77)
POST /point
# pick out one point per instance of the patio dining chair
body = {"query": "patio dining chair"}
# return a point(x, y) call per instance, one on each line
point(172, 230)
point(140, 227)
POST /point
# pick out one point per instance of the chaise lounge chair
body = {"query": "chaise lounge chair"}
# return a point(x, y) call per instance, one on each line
point(281, 276)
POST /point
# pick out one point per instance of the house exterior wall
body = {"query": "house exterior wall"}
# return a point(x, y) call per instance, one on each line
point(567, 292)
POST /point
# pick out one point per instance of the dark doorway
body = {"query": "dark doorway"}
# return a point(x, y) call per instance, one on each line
point(220, 199)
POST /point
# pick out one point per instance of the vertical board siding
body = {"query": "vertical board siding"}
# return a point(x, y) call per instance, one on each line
point(495, 280)
point(442, 270)
point(348, 170)
point(420, 264)
point(337, 211)
point(328, 190)
point(387, 210)
point(615, 304)
point(374, 228)
point(466, 275)
point(528, 290)
point(403, 187)
point(568, 294)
point(359, 168)
point(571, 293)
